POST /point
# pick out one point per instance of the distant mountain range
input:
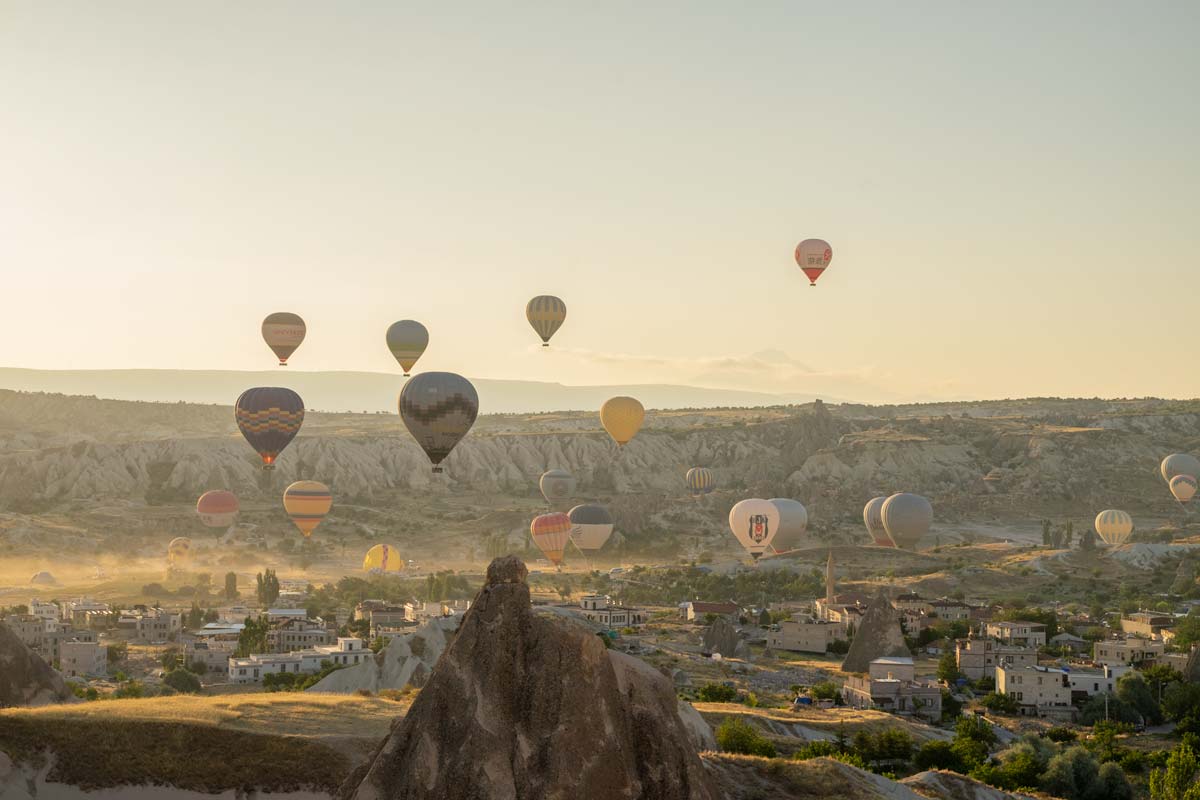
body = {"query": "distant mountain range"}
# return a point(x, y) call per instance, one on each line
point(367, 391)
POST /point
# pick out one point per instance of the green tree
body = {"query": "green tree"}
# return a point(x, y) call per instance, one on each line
point(182, 680)
point(937, 755)
point(267, 589)
point(1000, 703)
point(170, 659)
point(1133, 690)
point(1106, 706)
point(1181, 702)
point(825, 690)
point(253, 638)
point(738, 736)
point(117, 651)
point(947, 669)
point(1187, 632)
point(1179, 779)
point(231, 590)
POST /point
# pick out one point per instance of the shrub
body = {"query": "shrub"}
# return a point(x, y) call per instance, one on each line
point(1000, 703)
point(1060, 735)
point(937, 755)
point(825, 690)
point(182, 681)
point(716, 693)
point(739, 736)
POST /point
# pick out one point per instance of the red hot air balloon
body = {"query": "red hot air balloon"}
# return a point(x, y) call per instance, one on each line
point(269, 417)
point(217, 508)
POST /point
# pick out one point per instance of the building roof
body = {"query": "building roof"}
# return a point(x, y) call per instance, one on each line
point(705, 607)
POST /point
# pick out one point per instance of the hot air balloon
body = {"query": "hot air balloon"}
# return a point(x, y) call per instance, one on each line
point(557, 485)
point(283, 332)
point(179, 550)
point(813, 256)
point(1114, 527)
point(438, 408)
point(591, 526)
point(873, 518)
point(307, 503)
point(1180, 464)
point(550, 533)
point(1183, 487)
point(383, 558)
point(754, 524)
point(793, 523)
point(217, 508)
point(622, 417)
point(546, 314)
point(269, 418)
point(699, 481)
point(906, 518)
point(407, 339)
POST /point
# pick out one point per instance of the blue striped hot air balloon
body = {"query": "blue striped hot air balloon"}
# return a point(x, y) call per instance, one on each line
point(699, 481)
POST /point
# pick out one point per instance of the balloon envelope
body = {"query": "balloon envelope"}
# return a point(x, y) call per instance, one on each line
point(179, 550)
point(283, 332)
point(622, 417)
point(556, 485)
point(307, 503)
point(699, 481)
point(546, 314)
point(407, 339)
point(1179, 464)
point(873, 519)
point(1183, 487)
point(269, 417)
point(438, 408)
point(793, 523)
point(906, 518)
point(813, 256)
point(754, 524)
point(383, 558)
point(217, 508)
point(1114, 527)
point(550, 533)
point(591, 526)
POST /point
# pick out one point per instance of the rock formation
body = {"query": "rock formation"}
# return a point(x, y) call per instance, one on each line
point(523, 706)
point(407, 661)
point(721, 637)
point(879, 635)
point(25, 678)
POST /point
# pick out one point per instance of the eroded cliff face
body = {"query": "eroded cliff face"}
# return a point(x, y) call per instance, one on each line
point(25, 678)
point(528, 706)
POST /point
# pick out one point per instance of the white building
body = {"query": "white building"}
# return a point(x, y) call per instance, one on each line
point(348, 652)
point(1019, 633)
point(1123, 652)
point(84, 611)
point(600, 609)
point(890, 686)
point(805, 636)
point(45, 609)
point(82, 659)
point(977, 658)
point(1086, 683)
point(1041, 691)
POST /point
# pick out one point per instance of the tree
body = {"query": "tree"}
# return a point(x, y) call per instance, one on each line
point(1179, 779)
point(1133, 690)
point(1181, 702)
point(825, 690)
point(973, 739)
point(195, 616)
point(1106, 706)
point(182, 681)
point(947, 669)
point(738, 736)
point(1187, 631)
point(937, 755)
point(253, 638)
point(170, 659)
point(268, 587)
point(117, 651)
point(1159, 677)
point(1000, 703)
point(231, 590)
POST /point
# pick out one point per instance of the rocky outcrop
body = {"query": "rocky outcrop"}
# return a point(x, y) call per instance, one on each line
point(952, 786)
point(528, 706)
point(879, 635)
point(25, 678)
point(407, 661)
point(721, 637)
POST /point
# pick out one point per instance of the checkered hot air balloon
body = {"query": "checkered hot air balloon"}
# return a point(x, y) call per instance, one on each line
point(269, 417)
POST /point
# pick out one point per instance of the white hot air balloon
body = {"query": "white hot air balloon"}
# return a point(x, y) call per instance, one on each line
point(1114, 527)
point(1183, 487)
point(907, 518)
point(873, 519)
point(754, 524)
point(1179, 464)
point(793, 523)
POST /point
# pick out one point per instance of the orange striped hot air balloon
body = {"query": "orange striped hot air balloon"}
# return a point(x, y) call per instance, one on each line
point(307, 503)
point(550, 533)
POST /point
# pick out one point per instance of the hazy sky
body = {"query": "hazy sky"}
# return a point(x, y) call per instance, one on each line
point(1010, 190)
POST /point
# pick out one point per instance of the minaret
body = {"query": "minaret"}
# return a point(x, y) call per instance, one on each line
point(829, 579)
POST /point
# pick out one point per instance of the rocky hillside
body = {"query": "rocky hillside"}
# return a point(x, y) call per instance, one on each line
point(56, 449)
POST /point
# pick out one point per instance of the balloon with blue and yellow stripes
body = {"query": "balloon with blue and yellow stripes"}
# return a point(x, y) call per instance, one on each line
point(546, 314)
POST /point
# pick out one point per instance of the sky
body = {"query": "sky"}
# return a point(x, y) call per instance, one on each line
point(1009, 190)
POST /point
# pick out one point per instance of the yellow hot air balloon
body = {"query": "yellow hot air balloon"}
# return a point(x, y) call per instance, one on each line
point(622, 417)
point(1114, 526)
point(546, 314)
point(383, 558)
point(307, 503)
point(179, 550)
